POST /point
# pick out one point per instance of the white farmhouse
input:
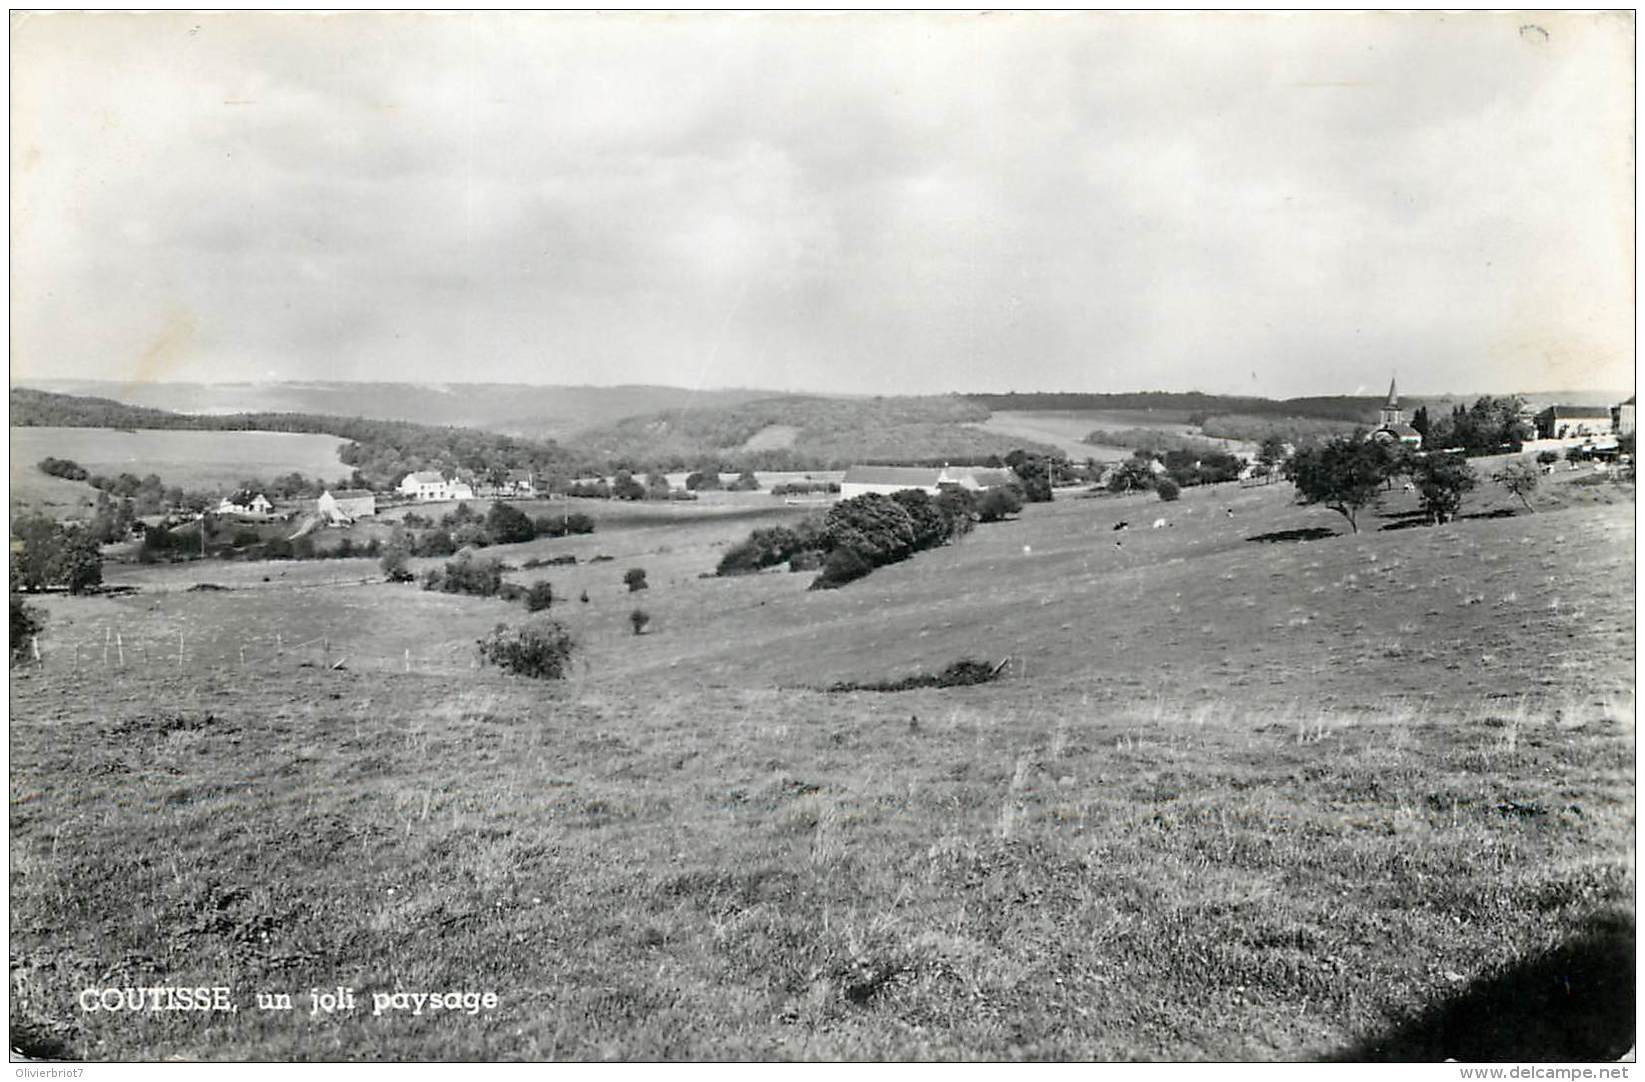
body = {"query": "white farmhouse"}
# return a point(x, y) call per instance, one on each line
point(244, 503)
point(432, 485)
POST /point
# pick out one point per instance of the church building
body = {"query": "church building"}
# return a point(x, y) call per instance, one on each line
point(1391, 424)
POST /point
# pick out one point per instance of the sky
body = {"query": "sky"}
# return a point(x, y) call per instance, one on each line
point(1271, 204)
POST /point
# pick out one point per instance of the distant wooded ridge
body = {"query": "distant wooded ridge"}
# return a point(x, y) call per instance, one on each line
point(1354, 408)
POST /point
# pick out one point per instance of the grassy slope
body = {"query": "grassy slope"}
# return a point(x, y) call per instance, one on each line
point(1247, 800)
point(190, 459)
point(826, 432)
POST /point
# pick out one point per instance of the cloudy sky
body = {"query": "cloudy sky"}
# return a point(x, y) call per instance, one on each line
point(1270, 204)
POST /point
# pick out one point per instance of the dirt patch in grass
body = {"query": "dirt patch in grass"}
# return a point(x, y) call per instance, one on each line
point(962, 673)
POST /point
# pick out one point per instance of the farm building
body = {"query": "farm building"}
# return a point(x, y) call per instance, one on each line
point(1391, 423)
point(432, 485)
point(346, 504)
point(245, 502)
point(1622, 418)
point(861, 480)
point(1563, 422)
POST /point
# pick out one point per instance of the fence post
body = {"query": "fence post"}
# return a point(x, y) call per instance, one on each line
point(35, 640)
point(120, 645)
point(107, 634)
point(179, 649)
point(408, 659)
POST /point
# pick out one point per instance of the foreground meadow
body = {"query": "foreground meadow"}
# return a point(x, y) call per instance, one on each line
point(1245, 791)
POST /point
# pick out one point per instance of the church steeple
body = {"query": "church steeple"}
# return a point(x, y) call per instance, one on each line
point(1391, 413)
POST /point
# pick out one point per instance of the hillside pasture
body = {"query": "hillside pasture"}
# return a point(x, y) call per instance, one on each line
point(1236, 797)
point(208, 461)
point(1066, 429)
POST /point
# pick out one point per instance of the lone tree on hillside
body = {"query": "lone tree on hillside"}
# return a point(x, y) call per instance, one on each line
point(1520, 478)
point(1343, 475)
point(634, 577)
point(639, 618)
point(1441, 480)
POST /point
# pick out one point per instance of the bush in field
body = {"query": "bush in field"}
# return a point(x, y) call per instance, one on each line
point(808, 560)
point(995, 504)
point(395, 564)
point(703, 480)
point(435, 542)
point(470, 535)
point(745, 482)
point(26, 622)
point(1167, 489)
point(45, 554)
point(1547, 457)
point(634, 579)
point(540, 596)
point(876, 527)
point(1132, 475)
point(508, 525)
point(1033, 474)
point(959, 510)
point(844, 564)
point(466, 575)
point(540, 648)
point(65, 468)
point(638, 619)
point(765, 547)
point(583, 597)
point(930, 524)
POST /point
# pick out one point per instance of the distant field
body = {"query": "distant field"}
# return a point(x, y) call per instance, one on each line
point(194, 460)
point(1252, 787)
point(1067, 429)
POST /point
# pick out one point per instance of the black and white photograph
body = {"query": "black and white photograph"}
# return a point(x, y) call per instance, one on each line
point(823, 536)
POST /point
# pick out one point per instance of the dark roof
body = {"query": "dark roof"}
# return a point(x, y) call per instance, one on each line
point(1577, 411)
point(1400, 430)
point(911, 476)
point(350, 493)
point(244, 498)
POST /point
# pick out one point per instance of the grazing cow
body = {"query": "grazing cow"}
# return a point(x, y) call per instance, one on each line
point(1120, 525)
point(1159, 522)
point(1230, 511)
point(1117, 543)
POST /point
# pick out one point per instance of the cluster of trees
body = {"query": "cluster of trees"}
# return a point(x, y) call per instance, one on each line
point(707, 479)
point(541, 648)
point(857, 535)
point(1488, 427)
point(26, 622)
point(47, 554)
point(1154, 442)
point(1256, 428)
point(804, 488)
point(503, 524)
point(1346, 474)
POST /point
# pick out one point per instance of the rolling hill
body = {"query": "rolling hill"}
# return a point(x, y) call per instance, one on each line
point(516, 409)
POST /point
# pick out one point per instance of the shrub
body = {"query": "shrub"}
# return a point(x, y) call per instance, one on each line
point(639, 618)
point(436, 542)
point(65, 468)
point(1168, 489)
point(540, 596)
point(583, 597)
point(808, 560)
point(995, 504)
point(540, 648)
point(507, 524)
point(26, 622)
point(634, 578)
point(844, 564)
point(765, 547)
point(746, 482)
point(395, 565)
point(466, 575)
point(1546, 457)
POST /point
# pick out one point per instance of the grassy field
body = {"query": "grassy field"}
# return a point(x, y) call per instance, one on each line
point(1066, 429)
point(194, 460)
point(1251, 788)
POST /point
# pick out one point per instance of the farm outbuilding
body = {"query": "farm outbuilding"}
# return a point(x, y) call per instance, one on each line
point(1563, 422)
point(347, 504)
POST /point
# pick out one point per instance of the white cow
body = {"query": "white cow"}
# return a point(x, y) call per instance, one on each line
point(1159, 522)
